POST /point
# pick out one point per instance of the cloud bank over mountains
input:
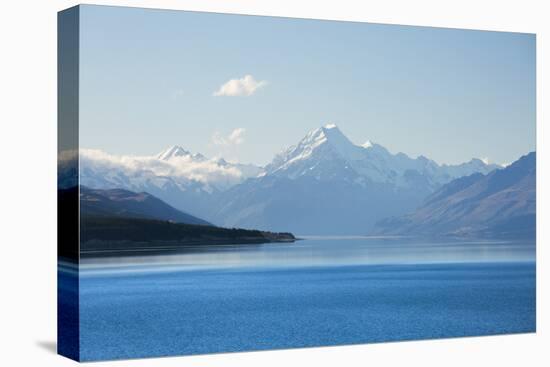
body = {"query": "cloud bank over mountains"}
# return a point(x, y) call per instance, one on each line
point(174, 162)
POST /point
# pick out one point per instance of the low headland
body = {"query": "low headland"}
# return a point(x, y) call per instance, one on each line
point(105, 236)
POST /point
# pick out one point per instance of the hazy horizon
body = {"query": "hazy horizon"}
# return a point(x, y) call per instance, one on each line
point(151, 79)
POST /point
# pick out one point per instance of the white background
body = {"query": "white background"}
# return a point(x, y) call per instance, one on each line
point(28, 183)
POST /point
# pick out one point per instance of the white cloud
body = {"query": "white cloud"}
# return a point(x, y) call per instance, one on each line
point(246, 86)
point(236, 137)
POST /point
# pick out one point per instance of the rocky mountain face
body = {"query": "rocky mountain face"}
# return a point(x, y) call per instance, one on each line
point(499, 204)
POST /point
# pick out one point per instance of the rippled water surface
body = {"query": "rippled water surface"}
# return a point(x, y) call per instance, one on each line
point(319, 291)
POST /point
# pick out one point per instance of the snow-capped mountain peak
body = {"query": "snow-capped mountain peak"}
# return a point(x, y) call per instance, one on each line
point(367, 144)
point(177, 151)
point(335, 136)
point(173, 151)
point(328, 135)
point(327, 152)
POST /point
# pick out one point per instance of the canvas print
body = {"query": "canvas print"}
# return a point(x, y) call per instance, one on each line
point(234, 183)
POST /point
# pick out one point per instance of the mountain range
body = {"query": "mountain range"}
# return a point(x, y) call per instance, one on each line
point(325, 184)
point(326, 153)
point(499, 204)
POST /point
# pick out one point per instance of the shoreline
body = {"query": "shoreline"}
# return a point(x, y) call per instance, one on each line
point(167, 247)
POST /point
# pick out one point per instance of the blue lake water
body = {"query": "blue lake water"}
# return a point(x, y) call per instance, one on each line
point(320, 291)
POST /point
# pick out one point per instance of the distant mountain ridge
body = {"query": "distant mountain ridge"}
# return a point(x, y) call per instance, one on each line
point(499, 204)
point(128, 204)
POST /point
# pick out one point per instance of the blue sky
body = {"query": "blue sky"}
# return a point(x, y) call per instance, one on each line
point(154, 78)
